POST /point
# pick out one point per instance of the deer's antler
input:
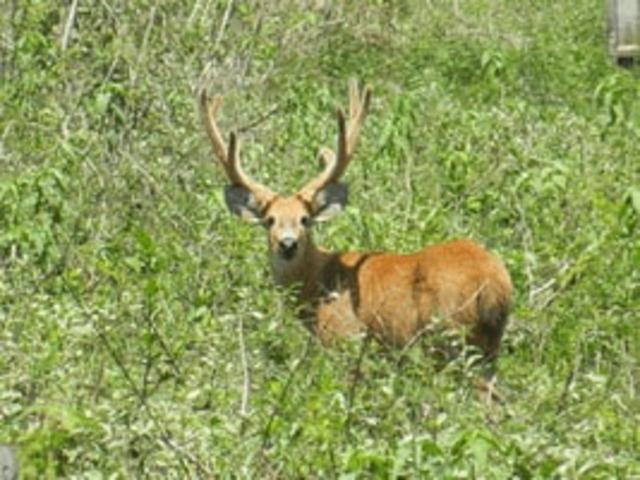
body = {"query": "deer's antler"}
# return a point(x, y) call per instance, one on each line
point(229, 158)
point(336, 163)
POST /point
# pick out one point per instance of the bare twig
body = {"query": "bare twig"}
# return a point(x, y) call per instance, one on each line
point(543, 296)
point(246, 379)
point(145, 42)
point(194, 12)
point(568, 385)
point(487, 391)
point(160, 191)
point(257, 121)
point(357, 375)
point(165, 437)
point(528, 244)
point(285, 391)
point(171, 360)
point(536, 291)
point(182, 454)
point(225, 20)
point(66, 33)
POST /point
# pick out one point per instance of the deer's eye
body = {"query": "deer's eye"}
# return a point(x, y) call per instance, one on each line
point(305, 220)
point(269, 221)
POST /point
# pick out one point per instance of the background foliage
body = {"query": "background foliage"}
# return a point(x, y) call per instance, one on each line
point(140, 335)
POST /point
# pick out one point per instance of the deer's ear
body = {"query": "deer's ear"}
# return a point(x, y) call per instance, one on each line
point(330, 201)
point(242, 203)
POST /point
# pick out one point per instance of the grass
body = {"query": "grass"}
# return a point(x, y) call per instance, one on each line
point(134, 308)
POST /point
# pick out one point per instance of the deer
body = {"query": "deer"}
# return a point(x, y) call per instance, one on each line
point(393, 297)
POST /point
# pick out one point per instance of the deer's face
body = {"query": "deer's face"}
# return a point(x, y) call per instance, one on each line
point(288, 221)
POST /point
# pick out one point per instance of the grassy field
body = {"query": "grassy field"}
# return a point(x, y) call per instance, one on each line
point(140, 334)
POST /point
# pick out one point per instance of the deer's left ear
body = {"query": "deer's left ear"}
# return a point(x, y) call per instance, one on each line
point(330, 201)
point(242, 203)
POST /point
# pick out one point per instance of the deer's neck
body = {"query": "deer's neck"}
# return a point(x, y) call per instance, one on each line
point(305, 271)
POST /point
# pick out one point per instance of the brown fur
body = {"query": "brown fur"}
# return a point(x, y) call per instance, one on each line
point(396, 297)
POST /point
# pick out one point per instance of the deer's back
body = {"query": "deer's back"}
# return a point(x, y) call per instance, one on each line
point(396, 296)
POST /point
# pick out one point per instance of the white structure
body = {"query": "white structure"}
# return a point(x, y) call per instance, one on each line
point(624, 31)
point(8, 463)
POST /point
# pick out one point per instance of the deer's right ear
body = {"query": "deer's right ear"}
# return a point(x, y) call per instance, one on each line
point(243, 203)
point(330, 201)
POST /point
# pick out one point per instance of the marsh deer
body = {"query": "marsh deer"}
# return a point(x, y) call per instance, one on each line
point(391, 296)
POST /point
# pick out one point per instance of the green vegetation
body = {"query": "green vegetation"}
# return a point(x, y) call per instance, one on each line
point(134, 308)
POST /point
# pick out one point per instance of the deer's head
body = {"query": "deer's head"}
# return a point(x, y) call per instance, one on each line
point(288, 219)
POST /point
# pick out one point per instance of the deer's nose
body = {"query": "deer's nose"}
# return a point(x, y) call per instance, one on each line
point(288, 247)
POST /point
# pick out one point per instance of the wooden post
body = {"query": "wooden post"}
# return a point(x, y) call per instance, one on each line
point(624, 31)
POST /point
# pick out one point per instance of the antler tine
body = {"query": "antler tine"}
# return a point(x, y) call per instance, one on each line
point(237, 175)
point(208, 111)
point(358, 106)
point(354, 98)
point(229, 158)
point(336, 164)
